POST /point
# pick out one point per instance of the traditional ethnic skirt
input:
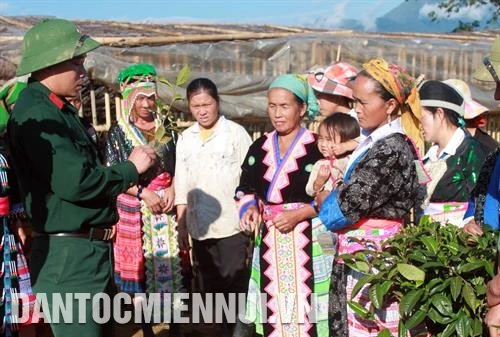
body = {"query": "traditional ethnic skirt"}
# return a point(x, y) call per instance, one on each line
point(16, 283)
point(375, 230)
point(447, 212)
point(146, 251)
point(289, 280)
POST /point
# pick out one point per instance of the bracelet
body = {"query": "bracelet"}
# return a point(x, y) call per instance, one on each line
point(315, 205)
point(139, 191)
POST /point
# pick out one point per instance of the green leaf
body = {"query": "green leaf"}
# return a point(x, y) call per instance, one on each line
point(435, 316)
point(477, 327)
point(362, 267)
point(489, 266)
point(416, 319)
point(383, 288)
point(411, 272)
point(455, 287)
point(183, 75)
point(360, 310)
point(462, 326)
point(166, 82)
point(384, 333)
point(430, 243)
point(449, 330)
point(443, 304)
point(469, 296)
point(402, 330)
point(430, 265)
point(409, 300)
point(361, 282)
point(160, 132)
point(465, 268)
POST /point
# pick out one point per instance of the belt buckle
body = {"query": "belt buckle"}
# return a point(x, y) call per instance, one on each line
point(105, 235)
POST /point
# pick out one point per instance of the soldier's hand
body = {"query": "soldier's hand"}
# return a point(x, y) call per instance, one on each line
point(143, 157)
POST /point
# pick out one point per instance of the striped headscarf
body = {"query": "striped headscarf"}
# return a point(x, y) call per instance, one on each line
point(135, 80)
point(403, 87)
point(298, 85)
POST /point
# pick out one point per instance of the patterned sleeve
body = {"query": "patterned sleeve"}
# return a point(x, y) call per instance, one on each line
point(111, 155)
point(378, 187)
point(4, 168)
point(481, 189)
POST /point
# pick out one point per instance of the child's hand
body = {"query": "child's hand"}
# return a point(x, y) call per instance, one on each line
point(338, 149)
point(323, 174)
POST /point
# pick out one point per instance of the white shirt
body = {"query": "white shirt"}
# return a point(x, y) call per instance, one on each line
point(206, 176)
point(449, 150)
point(370, 138)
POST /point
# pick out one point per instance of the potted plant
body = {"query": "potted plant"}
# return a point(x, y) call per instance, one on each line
point(438, 274)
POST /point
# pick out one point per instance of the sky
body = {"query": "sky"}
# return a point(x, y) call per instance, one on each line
point(279, 12)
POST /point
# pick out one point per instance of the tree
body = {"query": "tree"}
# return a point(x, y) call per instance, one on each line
point(451, 7)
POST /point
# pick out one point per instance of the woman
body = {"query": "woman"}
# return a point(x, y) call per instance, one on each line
point(287, 260)
point(209, 155)
point(454, 159)
point(14, 231)
point(334, 93)
point(381, 184)
point(331, 87)
point(146, 251)
point(475, 116)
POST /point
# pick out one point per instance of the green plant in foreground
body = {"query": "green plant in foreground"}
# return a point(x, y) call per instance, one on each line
point(438, 274)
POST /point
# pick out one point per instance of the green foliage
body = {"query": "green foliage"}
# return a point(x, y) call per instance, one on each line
point(169, 128)
point(454, 6)
point(437, 272)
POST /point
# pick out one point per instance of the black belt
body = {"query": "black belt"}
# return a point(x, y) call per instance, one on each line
point(97, 234)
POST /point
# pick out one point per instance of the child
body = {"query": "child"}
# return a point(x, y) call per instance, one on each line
point(327, 173)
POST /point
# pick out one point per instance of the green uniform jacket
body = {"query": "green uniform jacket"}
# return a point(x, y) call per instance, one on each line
point(64, 185)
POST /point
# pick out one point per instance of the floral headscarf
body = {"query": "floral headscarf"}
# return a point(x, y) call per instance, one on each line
point(402, 86)
point(135, 80)
point(299, 86)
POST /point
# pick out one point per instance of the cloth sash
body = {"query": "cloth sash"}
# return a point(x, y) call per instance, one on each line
point(376, 230)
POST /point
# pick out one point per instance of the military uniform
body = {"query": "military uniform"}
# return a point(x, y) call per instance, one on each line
point(69, 195)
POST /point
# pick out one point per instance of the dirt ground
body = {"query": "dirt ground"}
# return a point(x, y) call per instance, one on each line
point(161, 330)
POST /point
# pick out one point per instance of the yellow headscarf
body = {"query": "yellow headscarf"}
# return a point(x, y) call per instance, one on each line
point(403, 87)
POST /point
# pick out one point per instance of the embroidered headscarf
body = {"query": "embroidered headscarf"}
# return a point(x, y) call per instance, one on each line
point(8, 96)
point(403, 87)
point(298, 85)
point(135, 80)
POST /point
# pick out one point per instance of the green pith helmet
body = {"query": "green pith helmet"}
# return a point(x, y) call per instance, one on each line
point(50, 42)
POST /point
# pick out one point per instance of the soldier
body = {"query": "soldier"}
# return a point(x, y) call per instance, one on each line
point(68, 193)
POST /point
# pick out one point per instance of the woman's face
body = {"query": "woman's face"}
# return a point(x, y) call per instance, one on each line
point(431, 124)
point(372, 110)
point(284, 110)
point(143, 106)
point(330, 104)
point(204, 108)
point(326, 140)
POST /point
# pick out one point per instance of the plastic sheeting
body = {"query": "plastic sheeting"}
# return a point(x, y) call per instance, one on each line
point(243, 70)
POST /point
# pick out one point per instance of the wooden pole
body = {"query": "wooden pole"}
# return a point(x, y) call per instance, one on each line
point(93, 107)
point(107, 105)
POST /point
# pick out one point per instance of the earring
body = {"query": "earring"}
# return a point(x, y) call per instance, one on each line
point(389, 119)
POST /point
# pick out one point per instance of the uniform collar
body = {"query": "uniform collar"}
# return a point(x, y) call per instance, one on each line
point(59, 102)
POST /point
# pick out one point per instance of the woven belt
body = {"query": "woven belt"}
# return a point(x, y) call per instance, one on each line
point(97, 234)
